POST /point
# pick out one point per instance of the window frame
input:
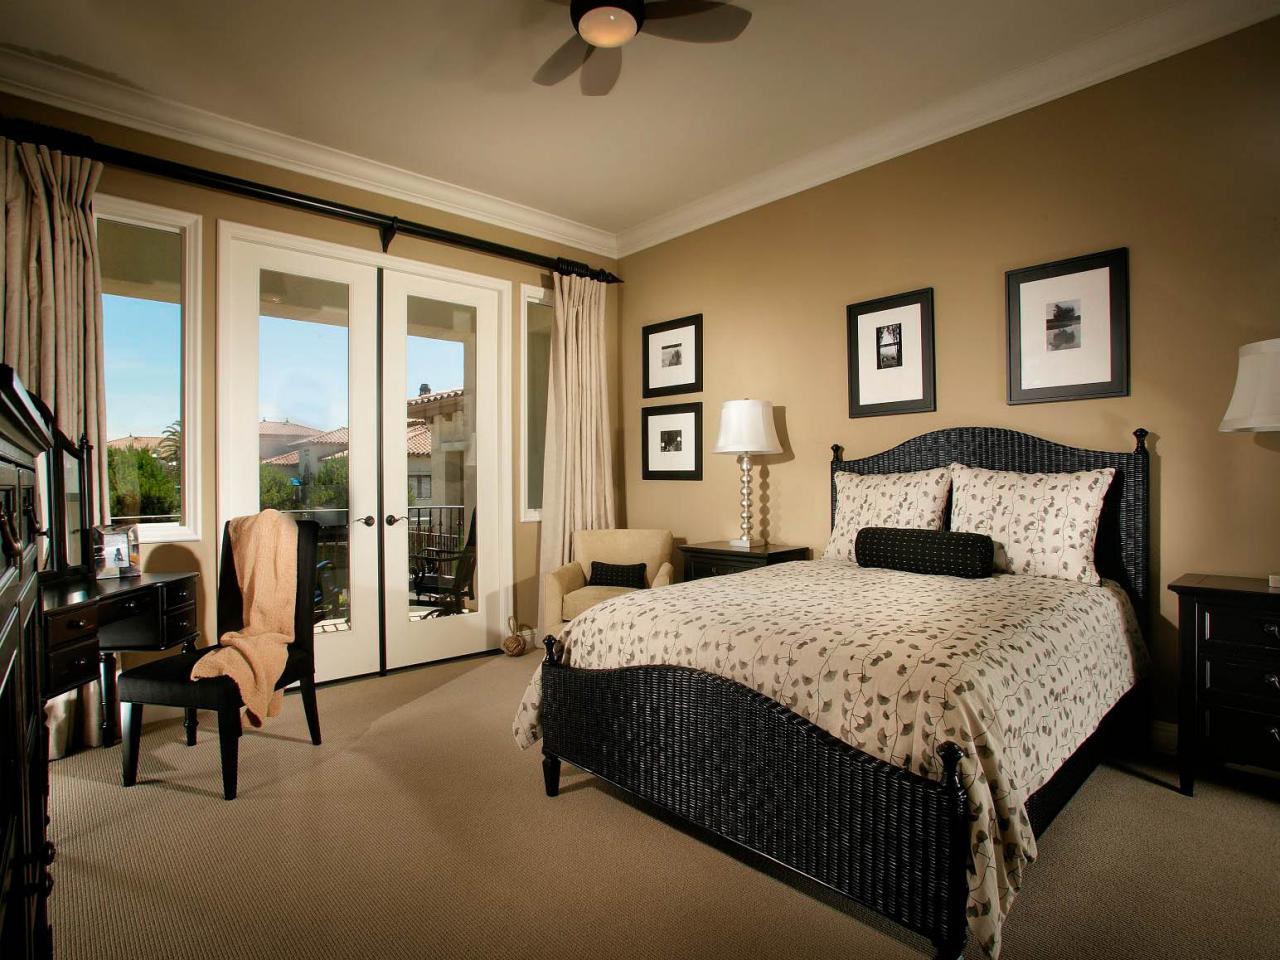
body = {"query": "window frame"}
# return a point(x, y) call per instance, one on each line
point(190, 226)
point(529, 293)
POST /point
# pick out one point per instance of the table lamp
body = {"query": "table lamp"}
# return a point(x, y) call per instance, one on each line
point(1255, 403)
point(746, 427)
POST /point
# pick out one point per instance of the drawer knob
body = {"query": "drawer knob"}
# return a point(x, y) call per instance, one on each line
point(1272, 629)
point(131, 604)
point(1272, 680)
point(1275, 734)
point(76, 624)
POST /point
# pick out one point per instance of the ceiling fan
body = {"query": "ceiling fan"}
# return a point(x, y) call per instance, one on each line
point(602, 27)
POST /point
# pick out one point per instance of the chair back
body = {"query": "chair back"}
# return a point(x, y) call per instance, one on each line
point(231, 601)
point(653, 547)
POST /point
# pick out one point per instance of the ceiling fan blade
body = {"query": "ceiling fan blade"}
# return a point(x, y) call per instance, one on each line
point(571, 54)
point(601, 70)
point(695, 21)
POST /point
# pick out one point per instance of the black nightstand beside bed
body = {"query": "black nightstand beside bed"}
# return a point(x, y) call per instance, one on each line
point(719, 557)
point(1229, 692)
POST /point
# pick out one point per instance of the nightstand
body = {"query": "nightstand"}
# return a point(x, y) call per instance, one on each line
point(1229, 687)
point(718, 557)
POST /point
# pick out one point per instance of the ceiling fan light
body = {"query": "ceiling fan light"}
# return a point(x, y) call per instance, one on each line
point(608, 24)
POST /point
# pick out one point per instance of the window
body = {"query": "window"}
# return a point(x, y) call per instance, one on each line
point(537, 316)
point(150, 315)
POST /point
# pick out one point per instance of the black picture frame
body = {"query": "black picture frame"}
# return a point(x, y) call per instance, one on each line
point(655, 329)
point(1117, 262)
point(927, 402)
point(650, 472)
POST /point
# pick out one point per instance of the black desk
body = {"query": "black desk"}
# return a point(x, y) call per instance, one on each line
point(86, 622)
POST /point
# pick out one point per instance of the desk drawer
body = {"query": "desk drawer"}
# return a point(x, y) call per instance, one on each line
point(71, 666)
point(1240, 736)
point(179, 593)
point(121, 608)
point(1241, 625)
point(1250, 678)
point(180, 625)
point(71, 625)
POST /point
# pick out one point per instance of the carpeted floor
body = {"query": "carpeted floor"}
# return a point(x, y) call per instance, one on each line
point(419, 830)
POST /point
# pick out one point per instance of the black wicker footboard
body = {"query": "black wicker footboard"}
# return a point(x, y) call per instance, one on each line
point(733, 761)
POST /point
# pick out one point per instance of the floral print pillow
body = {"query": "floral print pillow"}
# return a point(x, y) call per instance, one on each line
point(917, 500)
point(1043, 524)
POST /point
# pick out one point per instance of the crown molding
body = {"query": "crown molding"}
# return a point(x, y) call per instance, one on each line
point(1110, 55)
point(1120, 51)
point(69, 89)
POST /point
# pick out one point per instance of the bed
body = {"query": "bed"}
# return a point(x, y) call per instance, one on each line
point(898, 837)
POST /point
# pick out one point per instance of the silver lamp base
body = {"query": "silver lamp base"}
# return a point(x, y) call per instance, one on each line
point(746, 543)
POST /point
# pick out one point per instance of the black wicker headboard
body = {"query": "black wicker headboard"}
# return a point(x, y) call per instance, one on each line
point(1121, 551)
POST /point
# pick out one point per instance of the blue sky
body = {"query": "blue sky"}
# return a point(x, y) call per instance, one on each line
point(303, 368)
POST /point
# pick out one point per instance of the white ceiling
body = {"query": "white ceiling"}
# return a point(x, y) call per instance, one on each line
point(439, 93)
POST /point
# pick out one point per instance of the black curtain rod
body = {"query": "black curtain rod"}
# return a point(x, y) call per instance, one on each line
point(388, 227)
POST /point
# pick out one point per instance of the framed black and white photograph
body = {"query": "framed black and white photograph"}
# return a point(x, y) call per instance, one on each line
point(1069, 329)
point(672, 353)
point(671, 442)
point(891, 366)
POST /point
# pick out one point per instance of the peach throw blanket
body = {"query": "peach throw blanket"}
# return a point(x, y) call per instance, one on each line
point(265, 550)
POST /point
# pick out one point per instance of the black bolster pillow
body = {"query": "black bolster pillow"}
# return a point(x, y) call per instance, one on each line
point(937, 552)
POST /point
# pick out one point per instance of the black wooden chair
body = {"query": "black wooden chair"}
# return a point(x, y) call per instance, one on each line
point(168, 681)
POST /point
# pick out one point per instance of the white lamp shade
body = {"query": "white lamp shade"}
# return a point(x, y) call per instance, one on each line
point(1255, 404)
point(746, 426)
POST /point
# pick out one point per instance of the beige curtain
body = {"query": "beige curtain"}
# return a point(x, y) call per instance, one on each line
point(577, 473)
point(52, 337)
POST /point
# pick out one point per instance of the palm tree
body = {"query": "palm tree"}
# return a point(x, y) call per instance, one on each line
point(169, 449)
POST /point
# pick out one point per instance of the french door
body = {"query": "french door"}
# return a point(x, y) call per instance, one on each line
point(369, 398)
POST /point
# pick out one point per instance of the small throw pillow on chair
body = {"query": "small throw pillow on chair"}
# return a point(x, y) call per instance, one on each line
point(617, 575)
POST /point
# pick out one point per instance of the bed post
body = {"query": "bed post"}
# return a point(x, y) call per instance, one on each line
point(837, 453)
point(550, 762)
point(951, 947)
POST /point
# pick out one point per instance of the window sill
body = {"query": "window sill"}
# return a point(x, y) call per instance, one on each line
point(166, 533)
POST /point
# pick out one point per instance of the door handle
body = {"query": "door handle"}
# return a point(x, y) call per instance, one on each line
point(368, 521)
point(392, 519)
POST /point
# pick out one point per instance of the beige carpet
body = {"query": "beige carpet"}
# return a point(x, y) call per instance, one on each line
point(419, 830)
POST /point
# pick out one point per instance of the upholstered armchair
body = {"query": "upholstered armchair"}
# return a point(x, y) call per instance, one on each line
point(565, 591)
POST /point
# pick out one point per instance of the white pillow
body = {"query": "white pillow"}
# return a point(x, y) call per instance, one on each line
point(1043, 524)
point(916, 500)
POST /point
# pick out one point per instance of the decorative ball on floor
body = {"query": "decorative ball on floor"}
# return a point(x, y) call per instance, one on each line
point(519, 638)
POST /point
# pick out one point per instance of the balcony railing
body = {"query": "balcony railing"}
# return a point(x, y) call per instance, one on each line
point(434, 532)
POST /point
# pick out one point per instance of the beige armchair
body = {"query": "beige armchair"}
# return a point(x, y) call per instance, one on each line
point(565, 591)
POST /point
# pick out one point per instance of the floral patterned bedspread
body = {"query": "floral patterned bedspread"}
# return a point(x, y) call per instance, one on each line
point(1017, 670)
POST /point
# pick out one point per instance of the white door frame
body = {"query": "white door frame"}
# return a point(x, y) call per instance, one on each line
point(229, 232)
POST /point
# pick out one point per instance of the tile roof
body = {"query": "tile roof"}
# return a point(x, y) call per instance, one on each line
point(425, 398)
point(284, 428)
point(134, 443)
point(339, 436)
point(289, 459)
point(418, 440)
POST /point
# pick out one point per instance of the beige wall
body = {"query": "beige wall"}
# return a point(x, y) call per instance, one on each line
point(215, 206)
point(1180, 162)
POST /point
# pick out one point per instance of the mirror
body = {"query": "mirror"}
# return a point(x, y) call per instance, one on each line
point(40, 518)
point(70, 495)
point(72, 507)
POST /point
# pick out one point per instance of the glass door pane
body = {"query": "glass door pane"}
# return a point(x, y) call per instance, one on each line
point(438, 443)
point(439, 366)
point(303, 417)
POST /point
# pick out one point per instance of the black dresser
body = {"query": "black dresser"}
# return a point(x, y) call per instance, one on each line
point(720, 557)
point(25, 853)
point(1229, 690)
